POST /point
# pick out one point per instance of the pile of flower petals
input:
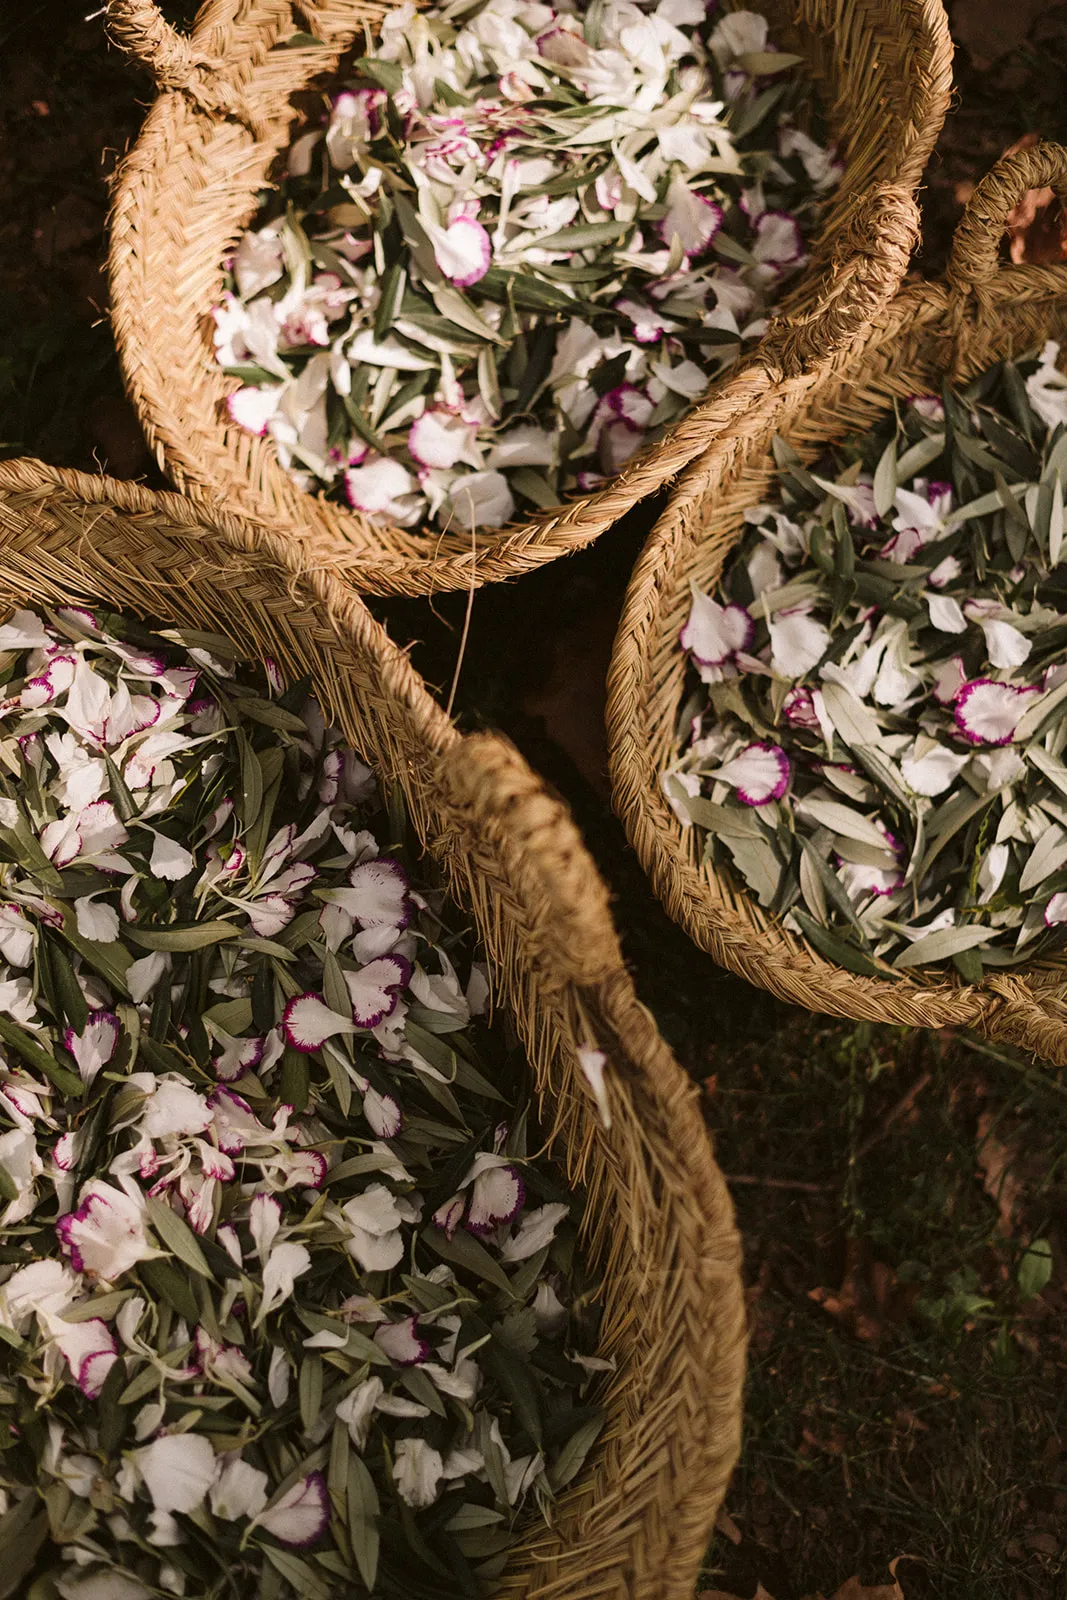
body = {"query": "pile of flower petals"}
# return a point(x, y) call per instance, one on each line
point(518, 250)
point(273, 1251)
point(878, 745)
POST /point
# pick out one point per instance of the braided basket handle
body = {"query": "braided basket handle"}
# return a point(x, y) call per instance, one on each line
point(1031, 1020)
point(975, 263)
point(508, 816)
point(142, 32)
point(868, 266)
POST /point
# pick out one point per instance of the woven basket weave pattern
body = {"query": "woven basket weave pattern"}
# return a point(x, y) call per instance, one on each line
point(981, 314)
point(190, 186)
point(634, 1525)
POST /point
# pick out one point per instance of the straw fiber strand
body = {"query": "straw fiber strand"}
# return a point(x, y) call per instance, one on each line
point(985, 311)
point(191, 185)
point(658, 1220)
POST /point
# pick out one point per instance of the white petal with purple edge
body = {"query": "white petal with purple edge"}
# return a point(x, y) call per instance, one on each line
point(798, 643)
point(714, 633)
point(95, 1045)
point(380, 894)
point(441, 439)
point(308, 1022)
point(1056, 910)
point(779, 242)
point(401, 1342)
point(90, 1350)
point(689, 217)
point(301, 1516)
point(760, 774)
point(383, 1114)
point(374, 990)
point(497, 1196)
point(449, 1216)
point(463, 251)
point(988, 712)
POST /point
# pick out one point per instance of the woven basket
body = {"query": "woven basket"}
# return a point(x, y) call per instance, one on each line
point(635, 1524)
point(982, 312)
point(224, 112)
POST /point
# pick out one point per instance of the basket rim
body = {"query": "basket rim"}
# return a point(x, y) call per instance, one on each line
point(851, 274)
point(714, 908)
point(481, 789)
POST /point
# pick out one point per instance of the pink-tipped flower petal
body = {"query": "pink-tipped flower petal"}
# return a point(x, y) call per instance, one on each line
point(760, 774)
point(252, 409)
point(94, 1047)
point(238, 1057)
point(90, 1350)
point(564, 47)
point(1056, 910)
point(301, 1516)
point(988, 712)
point(104, 1236)
point(449, 1216)
point(649, 325)
point(798, 642)
point(377, 486)
point(380, 897)
point(779, 242)
point(861, 880)
point(441, 439)
point(497, 1196)
point(689, 217)
point(308, 1022)
point(715, 633)
point(401, 1342)
point(463, 252)
point(630, 403)
point(619, 443)
point(798, 707)
point(383, 1114)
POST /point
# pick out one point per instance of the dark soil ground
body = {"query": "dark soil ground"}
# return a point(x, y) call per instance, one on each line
point(908, 1382)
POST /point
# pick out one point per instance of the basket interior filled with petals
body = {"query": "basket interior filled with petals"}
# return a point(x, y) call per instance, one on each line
point(504, 251)
point(313, 1278)
point(838, 667)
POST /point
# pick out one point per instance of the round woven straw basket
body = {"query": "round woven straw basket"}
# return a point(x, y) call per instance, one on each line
point(224, 112)
point(981, 313)
point(635, 1524)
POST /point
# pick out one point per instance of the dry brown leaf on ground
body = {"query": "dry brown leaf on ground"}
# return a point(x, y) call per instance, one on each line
point(995, 1160)
point(870, 1297)
point(725, 1524)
